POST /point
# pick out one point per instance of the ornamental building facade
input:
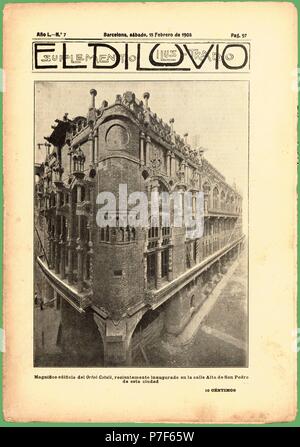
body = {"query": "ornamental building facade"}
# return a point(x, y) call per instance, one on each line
point(116, 286)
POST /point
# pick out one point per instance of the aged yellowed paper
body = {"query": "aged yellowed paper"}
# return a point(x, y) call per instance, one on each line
point(150, 212)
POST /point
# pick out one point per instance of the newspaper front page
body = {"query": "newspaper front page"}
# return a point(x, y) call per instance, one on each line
point(150, 212)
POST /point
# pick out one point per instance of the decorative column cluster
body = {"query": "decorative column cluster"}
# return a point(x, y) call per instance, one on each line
point(142, 148)
point(145, 149)
point(79, 250)
point(168, 167)
point(170, 269)
point(90, 229)
point(70, 247)
point(51, 251)
point(91, 148)
point(79, 242)
point(56, 245)
point(62, 248)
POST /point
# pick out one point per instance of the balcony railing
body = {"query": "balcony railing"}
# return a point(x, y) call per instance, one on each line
point(155, 298)
point(218, 210)
point(79, 300)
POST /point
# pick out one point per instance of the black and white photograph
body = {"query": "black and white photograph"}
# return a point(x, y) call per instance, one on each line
point(132, 292)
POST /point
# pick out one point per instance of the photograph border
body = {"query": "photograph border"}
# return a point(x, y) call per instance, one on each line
point(248, 82)
point(4, 423)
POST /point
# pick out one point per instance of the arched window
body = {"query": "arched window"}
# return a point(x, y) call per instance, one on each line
point(232, 203)
point(216, 198)
point(227, 202)
point(52, 199)
point(222, 200)
point(207, 201)
point(164, 217)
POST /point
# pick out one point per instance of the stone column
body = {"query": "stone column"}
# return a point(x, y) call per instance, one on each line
point(173, 165)
point(91, 229)
point(79, 193)
point(90, 253)
point(182, 171)
point(198, 254)
point(145, 272)
point(52, 252)
point(56, 246)
point(58, 199)
point(208, 238)
point(70, 247)
point(70, 160)
point(222, 232)
point(168, 164)
point(142, 148)
point(186, 173)
point(96, 143)
point(84, 264)
point(62, 259)
point(93, 94)
point(70, 261)
point(148, 146)
point(219, 268)
point(91, 148)
point(79, 250)
point(49, 244)
point(205, 202)
point(176, 314)
point(115, 352)
point(158, 269)
point(170, 269)
point(217, 234)
point(115, 343)
point(49, 250)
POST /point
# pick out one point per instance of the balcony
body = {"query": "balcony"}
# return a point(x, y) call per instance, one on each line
point(79, 300)
point(220, 211)
point(154, 298)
